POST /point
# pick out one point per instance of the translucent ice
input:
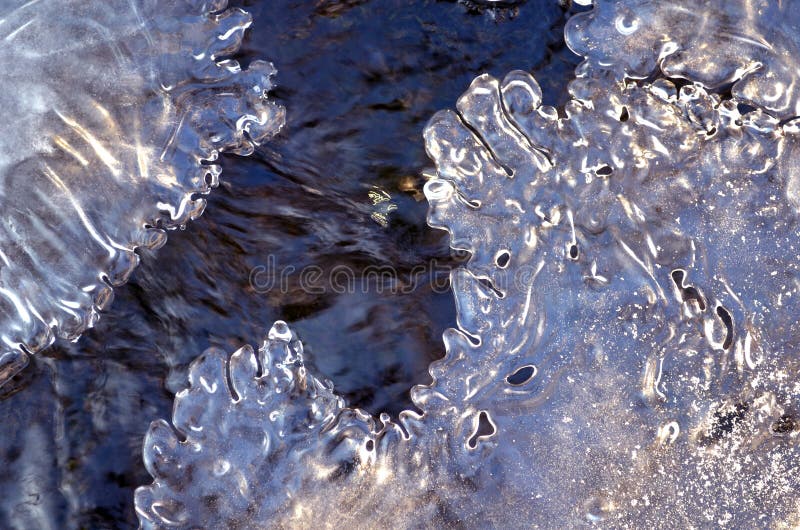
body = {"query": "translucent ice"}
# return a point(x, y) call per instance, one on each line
point(751, 47)
point(115, 112)
point(628, 327)
point(633, 291)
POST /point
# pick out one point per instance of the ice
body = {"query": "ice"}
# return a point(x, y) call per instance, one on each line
point(116, 112)
point(650, 279)
point(748, 46)
point(627, 324)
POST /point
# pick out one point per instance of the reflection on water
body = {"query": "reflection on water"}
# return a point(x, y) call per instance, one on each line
point(359, 80)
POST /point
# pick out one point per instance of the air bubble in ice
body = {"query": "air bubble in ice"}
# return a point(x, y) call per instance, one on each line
point(521, 375)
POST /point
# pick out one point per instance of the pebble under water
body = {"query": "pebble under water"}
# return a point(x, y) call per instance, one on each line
point(340, 186)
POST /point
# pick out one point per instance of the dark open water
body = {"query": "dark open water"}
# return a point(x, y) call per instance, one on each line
point(359, 80)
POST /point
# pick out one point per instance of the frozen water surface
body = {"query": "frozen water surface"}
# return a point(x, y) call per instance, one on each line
point(115, 113)
point(358, 94)
point(747, 47)
point(627, 325)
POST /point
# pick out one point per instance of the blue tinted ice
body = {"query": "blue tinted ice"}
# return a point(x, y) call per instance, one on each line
point(115, 112)
point(648, 279)
point(628, 320)
point(747, 46)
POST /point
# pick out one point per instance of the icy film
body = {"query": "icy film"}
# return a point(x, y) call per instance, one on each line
point(626, 351)
point(115, 114)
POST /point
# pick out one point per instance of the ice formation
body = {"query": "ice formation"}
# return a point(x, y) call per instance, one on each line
point(116, 111)
point(626, 351)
